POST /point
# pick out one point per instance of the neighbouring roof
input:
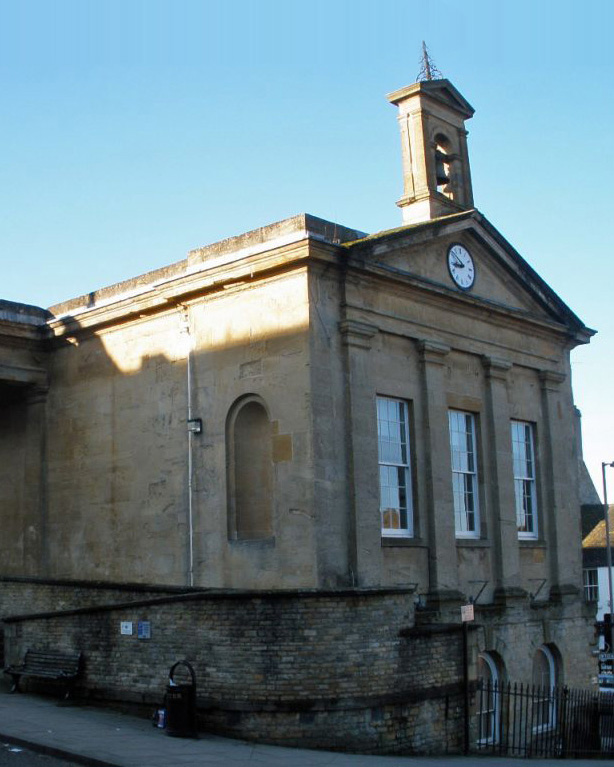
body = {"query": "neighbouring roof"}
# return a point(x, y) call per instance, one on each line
point(596, 538)
point(594, 553)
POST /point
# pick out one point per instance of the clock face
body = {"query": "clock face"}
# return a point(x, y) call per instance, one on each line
point(461, 267)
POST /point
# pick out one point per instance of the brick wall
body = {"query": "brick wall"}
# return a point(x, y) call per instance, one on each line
point(24, 596)
point(320, 669)
point(356, 670)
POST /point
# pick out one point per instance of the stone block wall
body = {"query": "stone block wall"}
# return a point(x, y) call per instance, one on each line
point(514, 633)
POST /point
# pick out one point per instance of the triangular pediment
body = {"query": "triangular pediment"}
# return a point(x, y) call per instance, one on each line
point(440, 90)
point(504, 281)
point(444, 91)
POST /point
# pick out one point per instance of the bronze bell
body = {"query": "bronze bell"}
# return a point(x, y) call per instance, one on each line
point(441, 172)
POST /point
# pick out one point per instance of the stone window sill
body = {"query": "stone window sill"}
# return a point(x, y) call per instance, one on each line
point(532, 543)
point(393, 541)
point(259, 543)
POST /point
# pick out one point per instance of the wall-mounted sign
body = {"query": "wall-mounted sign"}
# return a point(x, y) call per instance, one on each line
point(125, 628)
point(144, 630)
point(467, 613)
point(195, 426)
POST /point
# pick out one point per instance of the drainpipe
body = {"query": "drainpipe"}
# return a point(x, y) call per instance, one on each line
point(185, 315)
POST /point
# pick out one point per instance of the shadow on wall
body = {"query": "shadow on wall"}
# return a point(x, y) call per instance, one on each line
point(103, 478)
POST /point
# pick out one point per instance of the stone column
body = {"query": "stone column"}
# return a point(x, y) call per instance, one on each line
point(559, 472)
point(501, 499)
point(443, 565)
point(364, 539)
point(35, 545)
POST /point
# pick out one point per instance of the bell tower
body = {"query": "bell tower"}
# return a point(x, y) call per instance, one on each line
point(436, 173)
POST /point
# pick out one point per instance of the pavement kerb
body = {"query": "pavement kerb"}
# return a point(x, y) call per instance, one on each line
point(83, 734)
point(60, 753)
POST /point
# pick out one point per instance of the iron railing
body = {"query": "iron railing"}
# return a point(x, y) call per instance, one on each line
point(527, 720)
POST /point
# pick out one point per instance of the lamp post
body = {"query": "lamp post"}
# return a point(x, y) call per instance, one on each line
point(608, 547)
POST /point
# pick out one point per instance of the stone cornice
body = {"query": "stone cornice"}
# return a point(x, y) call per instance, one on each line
point(22, 334)
point(24, 376)
point(243, 258)
point(490, 316)
point(152, 299)
point(463, 303)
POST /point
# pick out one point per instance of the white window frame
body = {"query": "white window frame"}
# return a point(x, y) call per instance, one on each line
point(548, 699)
point(525, 485)
point(465, 487)
point(590, 577)
point(492, 713)
point(393, 436)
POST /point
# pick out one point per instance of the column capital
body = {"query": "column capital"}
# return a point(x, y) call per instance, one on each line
point(551, 379)
point(496, 367)
point(357, 333)
point(433, 351)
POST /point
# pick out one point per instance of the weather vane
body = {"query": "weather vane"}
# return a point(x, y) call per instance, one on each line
point(428, 70)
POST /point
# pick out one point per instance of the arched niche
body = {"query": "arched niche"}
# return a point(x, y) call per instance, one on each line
point(249, 470)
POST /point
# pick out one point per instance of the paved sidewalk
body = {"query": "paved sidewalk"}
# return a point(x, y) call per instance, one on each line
point(104, 738)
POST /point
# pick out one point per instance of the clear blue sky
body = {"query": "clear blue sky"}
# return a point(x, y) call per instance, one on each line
point(134, 130)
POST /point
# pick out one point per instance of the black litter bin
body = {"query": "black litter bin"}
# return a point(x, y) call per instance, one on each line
point(180, 704)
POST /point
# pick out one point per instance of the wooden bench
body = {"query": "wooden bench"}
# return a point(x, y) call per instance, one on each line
point(46, 664)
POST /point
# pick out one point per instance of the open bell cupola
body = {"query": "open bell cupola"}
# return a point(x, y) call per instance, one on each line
point(436, 173)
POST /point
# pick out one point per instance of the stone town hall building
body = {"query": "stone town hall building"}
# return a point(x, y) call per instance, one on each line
point(294, 455)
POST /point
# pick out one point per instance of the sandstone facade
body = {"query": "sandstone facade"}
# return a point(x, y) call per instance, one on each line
point(214, 425)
